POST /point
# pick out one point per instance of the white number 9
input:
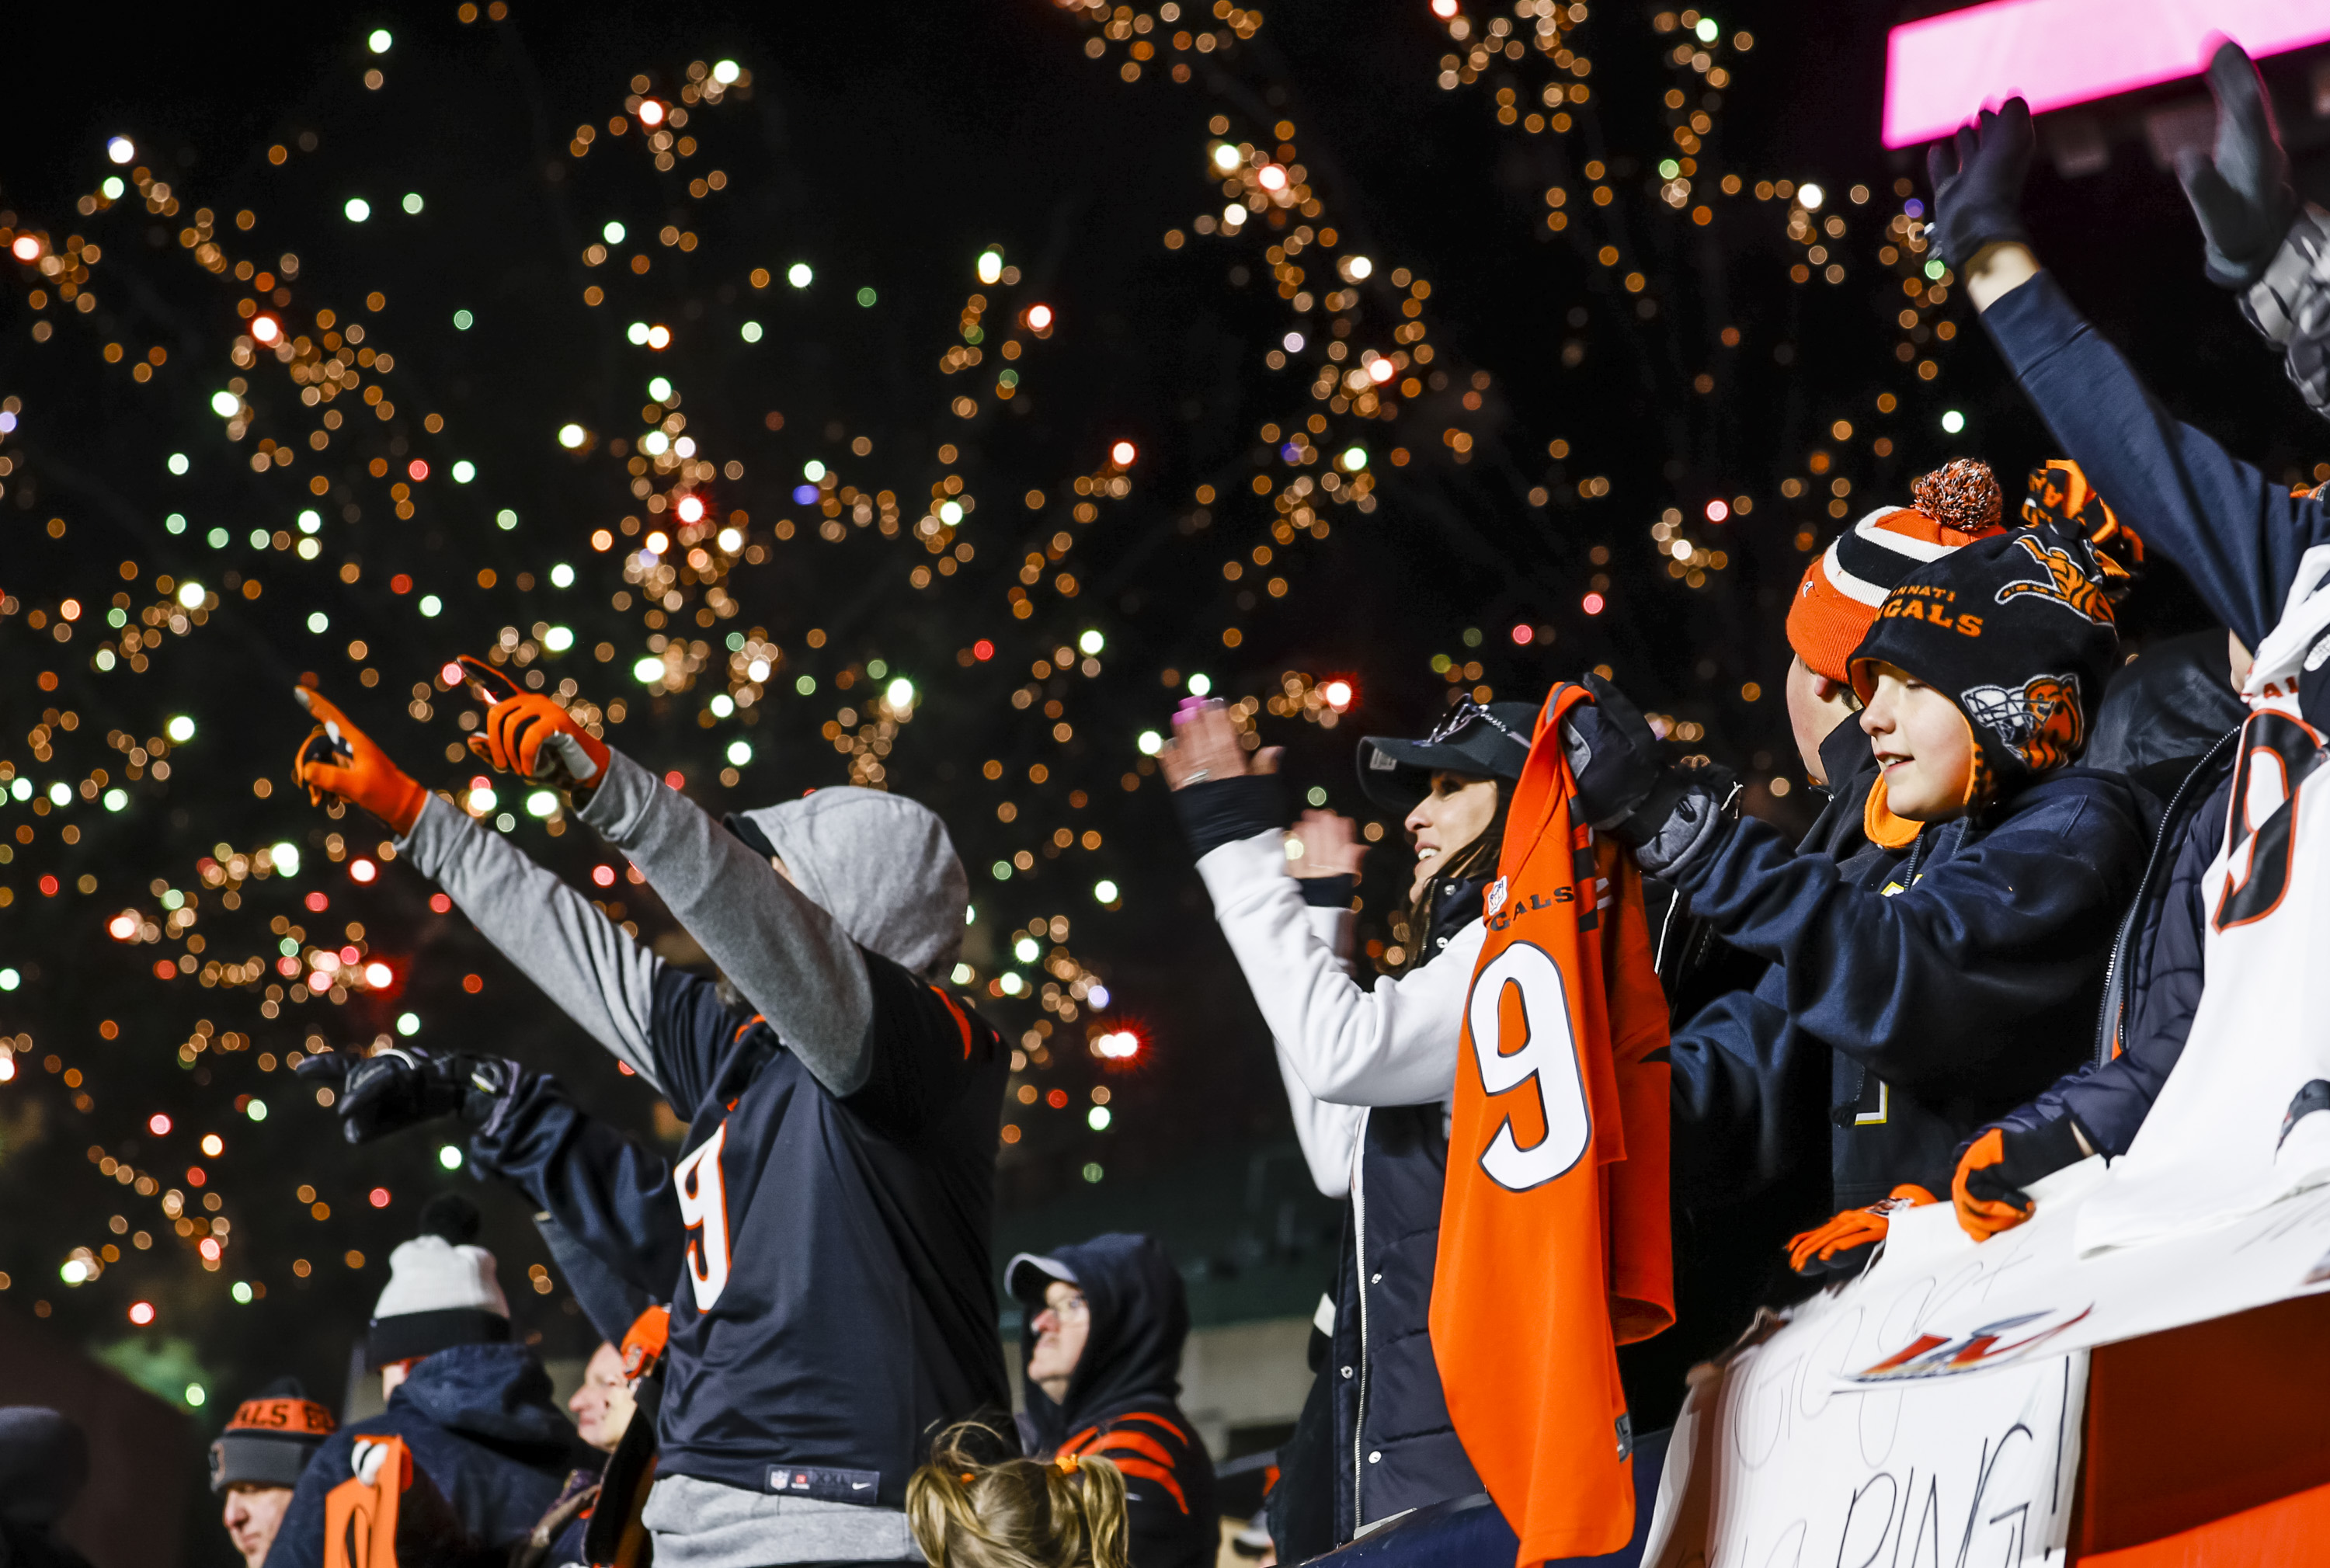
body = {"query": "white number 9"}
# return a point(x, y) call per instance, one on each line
point(703, 1210)
point(1547, 1053)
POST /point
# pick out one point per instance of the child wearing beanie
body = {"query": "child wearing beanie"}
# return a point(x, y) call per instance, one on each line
point(1948, 968)
point(1841, 591)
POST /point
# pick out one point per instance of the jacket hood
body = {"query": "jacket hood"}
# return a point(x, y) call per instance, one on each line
point(496, 1393)
point(1139, 1322)
point(880, 864)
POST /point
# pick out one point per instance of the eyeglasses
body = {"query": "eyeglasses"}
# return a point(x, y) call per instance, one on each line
point(1073, 1306)
point(1465, 711)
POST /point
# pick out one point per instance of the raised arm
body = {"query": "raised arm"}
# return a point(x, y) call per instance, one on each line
point(613, 1196)
point(601, 977)
point(1392, 1045)
point(790, 958)
point(2236, 536)
point(1395, 1044)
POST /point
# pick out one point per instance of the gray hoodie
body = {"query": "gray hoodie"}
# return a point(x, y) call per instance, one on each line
point(868, 870)
point(864, 870)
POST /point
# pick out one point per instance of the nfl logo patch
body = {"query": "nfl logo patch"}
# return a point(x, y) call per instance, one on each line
point(1494, 899)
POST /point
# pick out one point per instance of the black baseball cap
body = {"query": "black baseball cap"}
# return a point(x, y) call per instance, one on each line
point(1490, 741)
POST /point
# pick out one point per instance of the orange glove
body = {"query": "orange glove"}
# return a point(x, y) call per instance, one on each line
point(1987, 1189)
point(338, 759)
point(1982, 1218)
point(534, 738)
point(1853, 1229)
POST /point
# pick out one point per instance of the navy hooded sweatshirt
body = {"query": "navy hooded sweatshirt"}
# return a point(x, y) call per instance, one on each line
point(1123, 1400)
point(480, 1424)
point(1933, 988)
point(857, 1293)
point(2238, 539)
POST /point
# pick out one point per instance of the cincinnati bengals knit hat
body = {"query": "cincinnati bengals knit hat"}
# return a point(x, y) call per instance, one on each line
point(1842, 588)
point(271, 1438)
point(441, 1290)
point(2017, 630)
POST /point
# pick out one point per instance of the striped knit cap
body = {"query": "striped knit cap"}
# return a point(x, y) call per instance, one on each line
point(1838, 600)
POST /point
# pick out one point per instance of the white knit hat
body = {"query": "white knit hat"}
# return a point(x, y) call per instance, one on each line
point(441, 1290)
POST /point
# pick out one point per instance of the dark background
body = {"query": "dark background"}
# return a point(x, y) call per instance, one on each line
point(887, 148)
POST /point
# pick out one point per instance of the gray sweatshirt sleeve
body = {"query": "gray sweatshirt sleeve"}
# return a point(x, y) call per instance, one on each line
point(797, 966)
point(603, 979)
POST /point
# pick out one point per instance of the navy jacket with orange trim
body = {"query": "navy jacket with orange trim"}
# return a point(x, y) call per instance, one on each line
point(825, 1256)
point(1933, 988)
point(1123, 1400)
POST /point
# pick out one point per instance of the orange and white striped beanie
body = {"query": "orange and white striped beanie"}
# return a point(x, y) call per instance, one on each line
point(1838, 598)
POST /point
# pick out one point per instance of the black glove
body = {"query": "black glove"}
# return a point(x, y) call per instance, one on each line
point(1977, 177)
point(405, 1086)
point(1627, 788)
point(2241, 195)
point(1615, 756)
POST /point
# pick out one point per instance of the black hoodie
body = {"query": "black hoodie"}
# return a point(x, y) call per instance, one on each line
point(1122, 1400)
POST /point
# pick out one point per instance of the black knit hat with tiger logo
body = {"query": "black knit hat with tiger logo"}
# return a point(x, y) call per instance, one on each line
point(2017, 631)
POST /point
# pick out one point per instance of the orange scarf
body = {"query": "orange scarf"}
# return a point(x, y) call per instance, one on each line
point(1554, 1245)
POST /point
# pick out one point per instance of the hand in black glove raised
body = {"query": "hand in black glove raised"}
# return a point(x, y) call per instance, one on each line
point(405, 1086)
point(1615, 756)
point(1627, 788)
point(1977, 177)
point(2241, 193)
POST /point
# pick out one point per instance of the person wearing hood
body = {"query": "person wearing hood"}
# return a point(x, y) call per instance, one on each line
point(1368, 1072)
point(43, 1465)
point(1105, 1322)
point(258, 1460)
point(474, 1410)
point(1948, 970)
point(829, 1270)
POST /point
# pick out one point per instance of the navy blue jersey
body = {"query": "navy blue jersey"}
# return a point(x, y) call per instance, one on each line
point(834, 1307)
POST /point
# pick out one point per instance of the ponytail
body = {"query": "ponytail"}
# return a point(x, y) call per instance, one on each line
point(1016, 1513)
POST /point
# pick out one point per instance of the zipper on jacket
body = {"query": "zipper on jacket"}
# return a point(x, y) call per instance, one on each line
point(1360, 1255)
point(2113, 1020)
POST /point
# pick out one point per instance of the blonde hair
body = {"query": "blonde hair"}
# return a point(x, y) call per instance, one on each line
point(1063, 1513)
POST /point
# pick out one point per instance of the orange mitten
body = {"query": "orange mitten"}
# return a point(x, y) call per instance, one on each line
point(338, 759)
point(534, 738)
point(1853, 1230)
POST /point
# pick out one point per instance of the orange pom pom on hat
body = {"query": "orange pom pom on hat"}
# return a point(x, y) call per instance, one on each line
point(1837, 601)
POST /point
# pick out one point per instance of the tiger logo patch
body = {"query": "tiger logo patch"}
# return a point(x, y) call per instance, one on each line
point(2039, 722)
point(2065, 582)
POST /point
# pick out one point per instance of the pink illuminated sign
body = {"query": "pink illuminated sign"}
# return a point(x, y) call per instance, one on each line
point(2058, 52)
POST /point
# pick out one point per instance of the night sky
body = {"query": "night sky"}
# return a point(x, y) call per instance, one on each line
point(1513, 482)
